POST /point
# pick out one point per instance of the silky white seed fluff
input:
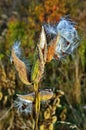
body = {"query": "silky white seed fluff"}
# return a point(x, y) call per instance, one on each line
point(66, 29)
point(50, 29)
point(16, 48)
point(19, 105)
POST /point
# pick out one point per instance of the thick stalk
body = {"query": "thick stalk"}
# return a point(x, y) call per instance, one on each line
point(37, 105)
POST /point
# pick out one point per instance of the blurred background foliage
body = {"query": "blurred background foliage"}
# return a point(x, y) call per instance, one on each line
point(22, 20)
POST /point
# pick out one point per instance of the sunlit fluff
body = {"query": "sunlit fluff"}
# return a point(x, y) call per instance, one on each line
point(16, 48)
point(23, 106)
point(67, 30)
point(60, 48)
point(64, 48)
point(68, 37)
point(50, 29)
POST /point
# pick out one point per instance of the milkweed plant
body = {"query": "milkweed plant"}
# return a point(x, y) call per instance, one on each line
point(64, 41)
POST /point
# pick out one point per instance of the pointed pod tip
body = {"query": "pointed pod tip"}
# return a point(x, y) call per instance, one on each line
point(42, 38)
point(24, 98)
point(43, 30)
point(42, 27)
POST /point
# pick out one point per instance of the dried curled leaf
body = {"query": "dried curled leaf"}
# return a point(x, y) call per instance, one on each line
point(21, 68)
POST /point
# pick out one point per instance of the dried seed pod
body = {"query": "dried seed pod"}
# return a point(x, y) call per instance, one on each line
point(39, 58)
point(27, 98)
point(43, 94)
point(46, 94)
point(68, 39)
point(43, 45)
point(20, 66)
point(51, 48)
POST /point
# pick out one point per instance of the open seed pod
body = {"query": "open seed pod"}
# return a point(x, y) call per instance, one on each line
point(44, 96)
point(20, 66)
point(65, 39)
point(39, 58)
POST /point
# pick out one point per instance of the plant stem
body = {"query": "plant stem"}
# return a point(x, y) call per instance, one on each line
point(37, 105)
